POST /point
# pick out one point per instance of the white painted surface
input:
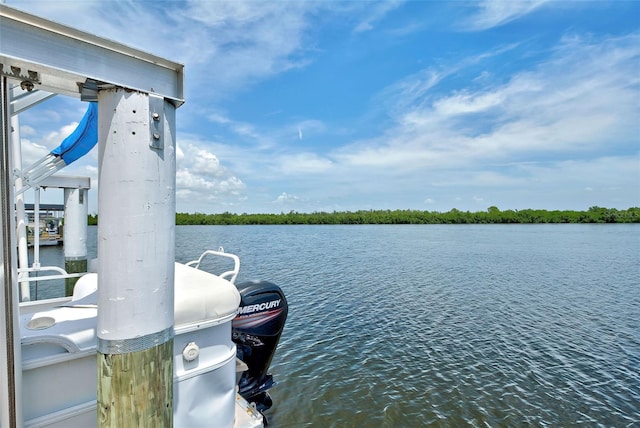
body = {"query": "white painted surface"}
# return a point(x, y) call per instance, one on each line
point(62, 346)
point(75, 223)
point(136, 232)
point(21, 227)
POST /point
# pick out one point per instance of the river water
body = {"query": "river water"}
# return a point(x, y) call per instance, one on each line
point(462, 325)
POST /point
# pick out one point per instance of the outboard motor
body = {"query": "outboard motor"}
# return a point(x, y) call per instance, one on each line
point(256, 331)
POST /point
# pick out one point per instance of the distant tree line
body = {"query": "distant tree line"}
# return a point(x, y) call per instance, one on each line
point(492, 215)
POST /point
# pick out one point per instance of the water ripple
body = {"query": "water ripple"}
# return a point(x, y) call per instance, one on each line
point(451, 326)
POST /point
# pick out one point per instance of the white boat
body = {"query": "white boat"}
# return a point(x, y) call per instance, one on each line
point(48, 233)
point(141, 340)
point(58, 338)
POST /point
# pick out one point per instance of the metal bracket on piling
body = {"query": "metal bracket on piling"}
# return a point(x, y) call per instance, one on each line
point(156, 122)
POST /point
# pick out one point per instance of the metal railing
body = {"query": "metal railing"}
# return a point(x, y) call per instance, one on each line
point(232, 274)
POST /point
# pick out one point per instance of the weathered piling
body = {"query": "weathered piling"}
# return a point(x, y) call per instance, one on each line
point(75, 234)
point(136, 241)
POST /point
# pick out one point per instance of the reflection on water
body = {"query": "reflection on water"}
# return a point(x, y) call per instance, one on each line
point(447, 325)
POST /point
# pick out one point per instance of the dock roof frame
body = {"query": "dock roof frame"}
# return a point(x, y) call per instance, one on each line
point(60, 59)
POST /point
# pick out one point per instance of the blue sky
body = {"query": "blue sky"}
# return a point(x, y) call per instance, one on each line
point(428, 105)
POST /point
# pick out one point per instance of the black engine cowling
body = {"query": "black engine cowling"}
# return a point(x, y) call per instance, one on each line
point(256, 331)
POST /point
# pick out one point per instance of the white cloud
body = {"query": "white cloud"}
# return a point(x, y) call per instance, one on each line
point(410, 90)
point(246, 132)
point(217, 117)
point(201, 179)
point(579, 100)
point(303, 163)
point(375, 12)
point(464, 103)
point(239, 42)
point(26, 131)
point(32, 152)
point(285, 197)
point(493, 13)
point(205, 164)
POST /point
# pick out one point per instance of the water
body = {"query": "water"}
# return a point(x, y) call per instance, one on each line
point(396, 326)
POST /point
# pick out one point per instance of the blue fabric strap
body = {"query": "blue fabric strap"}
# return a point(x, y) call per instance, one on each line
point(82, 139)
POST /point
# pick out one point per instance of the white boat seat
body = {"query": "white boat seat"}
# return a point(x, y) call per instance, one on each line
point(71, 328)
point(201, 299)
point(86, 285)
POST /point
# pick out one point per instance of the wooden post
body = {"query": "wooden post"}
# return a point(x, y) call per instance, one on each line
point(136, 388)
point(136, 252)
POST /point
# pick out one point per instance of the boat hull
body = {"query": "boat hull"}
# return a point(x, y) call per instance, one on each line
point(59, 356)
